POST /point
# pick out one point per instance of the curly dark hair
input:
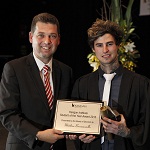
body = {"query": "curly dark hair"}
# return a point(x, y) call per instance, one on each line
point(45, 18)
point(101, 27)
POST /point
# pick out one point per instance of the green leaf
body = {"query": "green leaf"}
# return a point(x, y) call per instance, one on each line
point(116, 13)
point(128, 12)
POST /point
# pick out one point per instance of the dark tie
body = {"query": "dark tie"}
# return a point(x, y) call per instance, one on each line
point(47, 85)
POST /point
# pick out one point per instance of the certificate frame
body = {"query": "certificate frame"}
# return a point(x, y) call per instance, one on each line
point(78, 117)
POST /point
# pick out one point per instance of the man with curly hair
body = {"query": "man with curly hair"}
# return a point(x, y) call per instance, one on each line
point(129, 94)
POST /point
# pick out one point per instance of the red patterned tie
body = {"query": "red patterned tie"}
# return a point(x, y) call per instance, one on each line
point(47, 85)
point(48, 89)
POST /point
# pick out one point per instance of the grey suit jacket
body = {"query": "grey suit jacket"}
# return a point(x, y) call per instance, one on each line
point(23, 104)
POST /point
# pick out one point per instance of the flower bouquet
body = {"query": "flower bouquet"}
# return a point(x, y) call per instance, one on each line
point(128, 53)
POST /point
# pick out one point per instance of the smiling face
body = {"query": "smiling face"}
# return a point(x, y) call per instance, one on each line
point(106, 50)
point(45, 41)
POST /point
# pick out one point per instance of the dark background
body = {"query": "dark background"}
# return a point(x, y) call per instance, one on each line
point(75, 17)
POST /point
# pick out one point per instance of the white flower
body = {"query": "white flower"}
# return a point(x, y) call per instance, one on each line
point(129, 47)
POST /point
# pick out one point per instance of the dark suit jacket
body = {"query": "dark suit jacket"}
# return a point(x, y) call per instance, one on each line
point(23, 104)
point(133, 103)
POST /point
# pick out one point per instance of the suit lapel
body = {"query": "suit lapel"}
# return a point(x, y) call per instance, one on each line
point(125, 87)
point(35, 75)
point(93, 89)
point(56, 75)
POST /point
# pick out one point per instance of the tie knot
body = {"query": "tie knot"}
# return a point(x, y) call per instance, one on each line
point(109, 76)
point(45, 69)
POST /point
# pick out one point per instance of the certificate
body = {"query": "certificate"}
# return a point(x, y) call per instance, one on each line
point(77, 117)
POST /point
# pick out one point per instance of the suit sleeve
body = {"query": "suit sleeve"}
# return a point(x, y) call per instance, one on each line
point(10, 108)
point(141, 130)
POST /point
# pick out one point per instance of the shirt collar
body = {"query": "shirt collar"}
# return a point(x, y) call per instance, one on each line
point(40, 64)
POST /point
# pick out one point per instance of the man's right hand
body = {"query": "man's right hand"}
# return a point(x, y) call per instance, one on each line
point(50, 135)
